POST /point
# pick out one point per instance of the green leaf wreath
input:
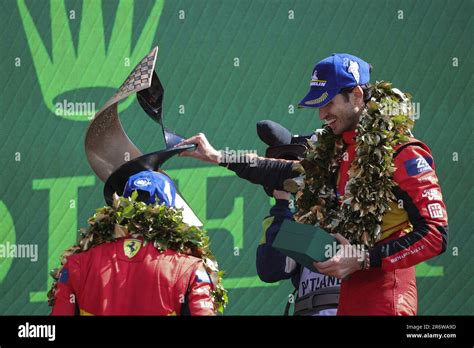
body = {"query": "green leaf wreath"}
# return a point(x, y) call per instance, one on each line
point(385, 123)
point(158, 224)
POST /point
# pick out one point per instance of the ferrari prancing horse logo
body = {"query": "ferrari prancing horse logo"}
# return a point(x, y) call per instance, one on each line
point(131, 247)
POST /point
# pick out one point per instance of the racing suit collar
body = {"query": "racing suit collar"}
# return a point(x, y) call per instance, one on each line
point(349, 137)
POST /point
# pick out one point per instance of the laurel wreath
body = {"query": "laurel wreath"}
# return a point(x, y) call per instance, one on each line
point(385, 123)
point(158, 224)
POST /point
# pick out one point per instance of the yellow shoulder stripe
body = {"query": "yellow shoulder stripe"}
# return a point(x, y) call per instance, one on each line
point(265, 225)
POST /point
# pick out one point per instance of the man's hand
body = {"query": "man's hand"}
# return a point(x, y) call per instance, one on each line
point(204, 150)
point(281, 195)
point(341, 265)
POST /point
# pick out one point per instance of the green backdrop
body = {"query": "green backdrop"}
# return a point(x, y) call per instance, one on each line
point(225, 65)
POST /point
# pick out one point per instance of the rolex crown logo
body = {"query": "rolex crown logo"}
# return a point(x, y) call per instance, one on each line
point(72, 80)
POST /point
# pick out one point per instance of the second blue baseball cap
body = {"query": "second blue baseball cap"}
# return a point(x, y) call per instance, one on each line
point(331, 75)
point(153, 184)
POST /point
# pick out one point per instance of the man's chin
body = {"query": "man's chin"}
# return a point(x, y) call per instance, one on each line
point(336, 130)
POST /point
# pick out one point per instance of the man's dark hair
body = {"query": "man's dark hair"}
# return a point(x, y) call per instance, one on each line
point(366, 88)
point(143, 196)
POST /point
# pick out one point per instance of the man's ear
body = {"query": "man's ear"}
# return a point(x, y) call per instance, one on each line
point(358, 95)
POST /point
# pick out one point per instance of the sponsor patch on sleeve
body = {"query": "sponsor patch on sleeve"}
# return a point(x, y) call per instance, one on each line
point(418, 165)
point(435, 210)
point(432, 194)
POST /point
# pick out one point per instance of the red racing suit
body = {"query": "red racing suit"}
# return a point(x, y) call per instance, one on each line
point(125, 277)
point(414, 230)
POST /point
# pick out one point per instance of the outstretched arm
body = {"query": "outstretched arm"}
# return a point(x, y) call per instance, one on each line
point(268, 172)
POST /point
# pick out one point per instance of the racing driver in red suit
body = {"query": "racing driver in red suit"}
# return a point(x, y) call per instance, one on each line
point(125, 277)
point(414, 230)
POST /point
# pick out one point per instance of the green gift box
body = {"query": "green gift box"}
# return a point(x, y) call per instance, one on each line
point(304, 243)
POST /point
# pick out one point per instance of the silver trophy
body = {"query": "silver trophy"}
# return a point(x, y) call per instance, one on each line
point(106, 142)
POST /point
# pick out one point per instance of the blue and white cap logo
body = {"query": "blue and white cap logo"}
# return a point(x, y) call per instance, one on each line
point(142, 182)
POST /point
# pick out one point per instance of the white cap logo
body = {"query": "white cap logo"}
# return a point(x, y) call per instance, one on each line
point(315, 75)
point(142, 182)
point(354, 70)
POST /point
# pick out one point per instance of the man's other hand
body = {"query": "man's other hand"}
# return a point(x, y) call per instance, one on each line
point(281, 195)
point(344, 263)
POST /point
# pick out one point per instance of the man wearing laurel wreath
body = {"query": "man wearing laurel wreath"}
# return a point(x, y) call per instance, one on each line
point(129, 276)
point(367, 180)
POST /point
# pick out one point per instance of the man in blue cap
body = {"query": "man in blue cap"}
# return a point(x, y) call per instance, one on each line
point(413, 230)
point(130, 277)
point(334, 80)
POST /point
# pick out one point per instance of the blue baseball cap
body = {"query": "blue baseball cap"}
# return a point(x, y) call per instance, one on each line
point(332, 74)
point(150, 185)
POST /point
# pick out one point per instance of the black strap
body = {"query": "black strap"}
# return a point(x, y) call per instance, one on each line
point(317, 300)
point(77, 309)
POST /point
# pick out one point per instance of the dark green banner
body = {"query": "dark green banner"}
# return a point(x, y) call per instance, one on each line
point(224, 65)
